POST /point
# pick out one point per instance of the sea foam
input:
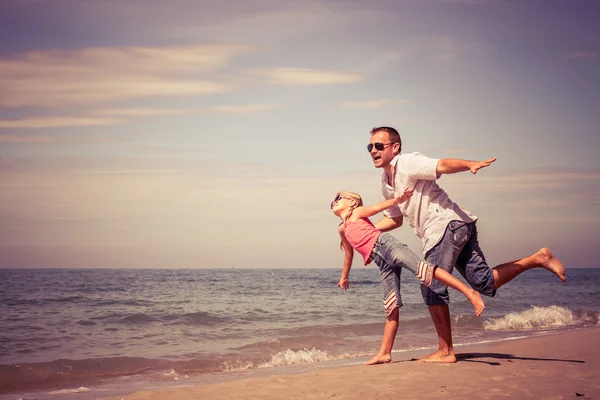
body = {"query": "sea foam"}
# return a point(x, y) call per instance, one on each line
point(289, 357)
point(534, 318)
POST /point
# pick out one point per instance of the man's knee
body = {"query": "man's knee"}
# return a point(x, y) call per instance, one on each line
point(481, 279)
point(435, 295)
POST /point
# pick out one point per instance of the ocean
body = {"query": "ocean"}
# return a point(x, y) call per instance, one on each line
point(89, 333)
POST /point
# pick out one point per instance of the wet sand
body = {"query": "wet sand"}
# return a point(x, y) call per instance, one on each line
point(557, 366)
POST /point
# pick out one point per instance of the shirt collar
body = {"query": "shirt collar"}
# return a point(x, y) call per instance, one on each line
point(394, 164)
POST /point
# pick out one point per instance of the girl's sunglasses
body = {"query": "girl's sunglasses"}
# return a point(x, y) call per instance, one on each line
point(338, 197)
point(378, 146)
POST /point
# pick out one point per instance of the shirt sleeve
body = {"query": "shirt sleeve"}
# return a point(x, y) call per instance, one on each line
point(420, 167)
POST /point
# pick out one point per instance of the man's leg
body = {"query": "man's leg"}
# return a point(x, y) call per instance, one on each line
point(444, 255)
point(389, 335)
point(440, 315)
point(544, 258)
point(472, 265)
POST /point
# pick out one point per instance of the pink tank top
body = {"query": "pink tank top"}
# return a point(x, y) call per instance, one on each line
point(362, 236)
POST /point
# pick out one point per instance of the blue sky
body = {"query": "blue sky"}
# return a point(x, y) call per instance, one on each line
point(205, 134)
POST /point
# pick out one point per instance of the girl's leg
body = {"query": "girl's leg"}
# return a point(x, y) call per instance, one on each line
point(398, 254)
point(389, 334)
point(448, 280)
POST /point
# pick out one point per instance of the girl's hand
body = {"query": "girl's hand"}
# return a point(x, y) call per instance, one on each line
point(405, 196)
point(343, 284)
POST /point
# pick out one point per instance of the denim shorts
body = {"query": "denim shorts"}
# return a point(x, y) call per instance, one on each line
point(459, 249)
point(391, 256)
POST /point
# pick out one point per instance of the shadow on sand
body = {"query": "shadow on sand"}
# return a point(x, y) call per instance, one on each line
point(475, 357)
point(478, 357)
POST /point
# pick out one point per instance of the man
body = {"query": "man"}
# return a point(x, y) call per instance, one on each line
point(448, 232)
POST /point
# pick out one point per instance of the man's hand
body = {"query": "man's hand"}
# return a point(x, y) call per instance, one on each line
point(343, 284)
point(477, 165)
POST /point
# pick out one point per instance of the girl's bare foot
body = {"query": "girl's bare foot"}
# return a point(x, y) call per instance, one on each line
point(380, 359)
point(552, 263)
point(475, 299)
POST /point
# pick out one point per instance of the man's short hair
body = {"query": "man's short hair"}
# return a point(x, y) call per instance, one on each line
point(392, 133)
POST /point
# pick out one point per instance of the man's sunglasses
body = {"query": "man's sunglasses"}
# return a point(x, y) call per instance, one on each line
point(378, 146)
point(338, 197)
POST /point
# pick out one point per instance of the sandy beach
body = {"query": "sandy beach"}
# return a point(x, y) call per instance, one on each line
point(556, 366)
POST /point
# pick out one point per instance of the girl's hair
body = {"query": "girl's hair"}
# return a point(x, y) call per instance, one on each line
point(353, 196)
point(356, 197)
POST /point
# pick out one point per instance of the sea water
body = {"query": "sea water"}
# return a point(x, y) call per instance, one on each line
point(73, 333)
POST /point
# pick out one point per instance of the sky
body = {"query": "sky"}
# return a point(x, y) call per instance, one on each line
point(214, 134)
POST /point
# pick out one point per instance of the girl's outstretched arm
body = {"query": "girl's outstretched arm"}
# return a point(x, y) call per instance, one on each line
point(367, 211)
point(348, 256)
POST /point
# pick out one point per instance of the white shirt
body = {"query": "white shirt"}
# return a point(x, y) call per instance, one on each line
point(429, 210)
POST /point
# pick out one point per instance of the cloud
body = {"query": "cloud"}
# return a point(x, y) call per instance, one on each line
point(55, 78)
point(56, 122)
point(14, 138)
point(304, 76)
point(141, 111)
point(162, 150)
point(113, 116)
point(243, 109)
point(370, 104)
point(578, 55)
point(267, 22)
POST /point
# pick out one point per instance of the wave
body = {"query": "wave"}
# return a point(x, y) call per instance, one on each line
point(42, 301)
point(81, 389)
point(192, 319)
point(542, 318)
point(290, 357)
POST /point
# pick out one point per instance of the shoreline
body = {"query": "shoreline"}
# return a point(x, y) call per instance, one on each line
point(553, 366)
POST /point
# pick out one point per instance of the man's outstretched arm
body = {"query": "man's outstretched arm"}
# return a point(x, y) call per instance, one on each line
point(386, 224)
point(454, 165)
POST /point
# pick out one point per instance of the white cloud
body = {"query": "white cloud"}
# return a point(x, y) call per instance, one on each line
point(55, 78)
point(14, 138)
point(55, 122)
point(304, 76)
point(243, 109)
point(141, 111)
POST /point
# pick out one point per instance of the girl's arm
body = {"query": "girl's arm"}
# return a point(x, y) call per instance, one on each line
point(367, 211)
point(349, 255)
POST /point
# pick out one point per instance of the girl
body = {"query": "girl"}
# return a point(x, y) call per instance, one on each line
point(358, 233)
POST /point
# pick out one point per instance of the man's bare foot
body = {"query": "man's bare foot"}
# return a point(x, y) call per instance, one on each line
point(475, 299)
point(380, 359)
point(439, 357)
point(552, 263)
